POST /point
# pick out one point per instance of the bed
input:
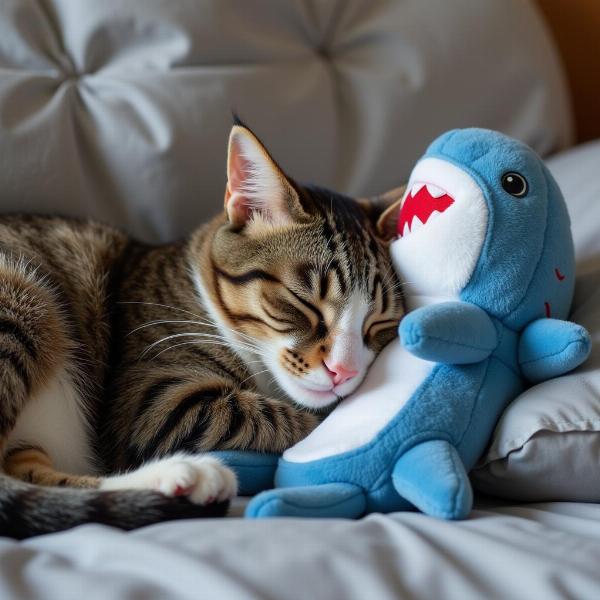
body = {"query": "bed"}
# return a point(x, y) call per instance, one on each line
point(132, 105)
point(503, 551)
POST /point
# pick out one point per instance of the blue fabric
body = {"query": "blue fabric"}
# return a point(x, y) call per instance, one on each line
point(449, 332)
point(444, 492)
point(332, 500)
point(490, 340)
point(255, 471)
point(549, 347)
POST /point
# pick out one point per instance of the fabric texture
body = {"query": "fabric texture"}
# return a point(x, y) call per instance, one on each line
point(449, 332)
point(547, 443)
point(535, 552)
point(119, 110)
point(422, 455)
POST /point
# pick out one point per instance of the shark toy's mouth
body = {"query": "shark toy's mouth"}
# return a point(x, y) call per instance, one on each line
point(441, 228)
point(424, 202)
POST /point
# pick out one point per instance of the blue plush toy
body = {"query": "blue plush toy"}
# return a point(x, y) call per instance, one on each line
point(485, 249)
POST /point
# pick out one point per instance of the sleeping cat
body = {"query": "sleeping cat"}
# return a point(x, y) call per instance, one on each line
point(123, 363)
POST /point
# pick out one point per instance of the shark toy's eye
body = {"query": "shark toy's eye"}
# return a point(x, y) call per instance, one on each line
point(515, 184)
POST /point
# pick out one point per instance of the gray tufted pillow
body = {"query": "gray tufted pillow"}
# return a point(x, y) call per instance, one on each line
point(120, 109)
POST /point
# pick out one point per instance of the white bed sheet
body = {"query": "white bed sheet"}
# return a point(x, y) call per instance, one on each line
point(540, 551)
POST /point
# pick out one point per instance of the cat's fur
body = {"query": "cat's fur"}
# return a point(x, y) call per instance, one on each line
point(115, 354)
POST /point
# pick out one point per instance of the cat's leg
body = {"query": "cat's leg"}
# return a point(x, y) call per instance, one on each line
point(178, 411)
point(33, 465)
point(167, 409)
point(202, 479)
point(35, 344)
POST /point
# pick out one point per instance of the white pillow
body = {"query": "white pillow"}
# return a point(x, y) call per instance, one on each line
point(547, 443)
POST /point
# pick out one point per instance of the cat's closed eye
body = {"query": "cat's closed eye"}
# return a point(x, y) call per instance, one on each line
point(303, 274)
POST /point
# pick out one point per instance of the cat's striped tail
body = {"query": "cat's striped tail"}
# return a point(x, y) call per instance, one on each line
point(27, 510)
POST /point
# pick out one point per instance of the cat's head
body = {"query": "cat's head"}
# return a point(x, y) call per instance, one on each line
point(302, 275)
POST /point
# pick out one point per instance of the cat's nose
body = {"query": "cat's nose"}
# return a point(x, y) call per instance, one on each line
point(338, 372)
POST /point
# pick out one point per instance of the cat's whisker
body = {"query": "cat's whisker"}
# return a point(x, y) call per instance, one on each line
point(201, 320)
point(388, 277)
point(197, 342)
point(255, 375)
point(207, 336)
point(162, 306)
point(247, 345)
point(398, 286)
point(184, 321)
point(167, 322)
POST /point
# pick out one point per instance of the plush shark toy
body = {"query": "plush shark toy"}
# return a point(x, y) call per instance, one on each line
point(485, 248)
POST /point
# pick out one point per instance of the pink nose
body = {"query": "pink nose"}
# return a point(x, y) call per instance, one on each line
point(338, 372)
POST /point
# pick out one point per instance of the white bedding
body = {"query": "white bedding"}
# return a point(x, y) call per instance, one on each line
point(540, 551)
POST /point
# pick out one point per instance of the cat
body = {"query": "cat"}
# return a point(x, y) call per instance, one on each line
point(122, 363)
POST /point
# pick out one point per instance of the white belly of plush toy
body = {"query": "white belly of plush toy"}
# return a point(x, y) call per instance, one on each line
point(389, 384)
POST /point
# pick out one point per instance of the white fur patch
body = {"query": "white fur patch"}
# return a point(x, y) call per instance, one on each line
point(55, 420)
point(203, 479)
point(315, 388)
point(439, 257)
point(348, 347)
point(391, 381)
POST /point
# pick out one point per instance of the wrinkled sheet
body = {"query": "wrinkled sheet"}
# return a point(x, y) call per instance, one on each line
point(530, 551)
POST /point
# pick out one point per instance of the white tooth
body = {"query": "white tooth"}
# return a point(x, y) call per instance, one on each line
point(434, 190)
point(414, 190)
point(416, 224)
point(406, 230)
point(433, 216)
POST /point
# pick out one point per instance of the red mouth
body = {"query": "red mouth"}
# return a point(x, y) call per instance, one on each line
point(416, 210)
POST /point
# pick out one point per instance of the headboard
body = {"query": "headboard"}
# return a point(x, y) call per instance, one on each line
point(576, 28)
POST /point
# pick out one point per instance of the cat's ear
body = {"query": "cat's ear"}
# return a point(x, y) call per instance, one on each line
point(384, 211)
point(257, 189)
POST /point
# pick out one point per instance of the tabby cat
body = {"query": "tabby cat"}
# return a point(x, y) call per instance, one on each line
point(123, 363)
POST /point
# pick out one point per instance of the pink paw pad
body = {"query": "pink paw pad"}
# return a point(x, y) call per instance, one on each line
point(183, 491)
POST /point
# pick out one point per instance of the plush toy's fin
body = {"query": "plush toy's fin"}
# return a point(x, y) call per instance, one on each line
point(255, 471)
point(433, 478)
point(551, 347)
point(332, 500)
point(449, 332)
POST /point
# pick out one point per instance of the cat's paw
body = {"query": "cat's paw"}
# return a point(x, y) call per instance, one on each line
point(203, 479)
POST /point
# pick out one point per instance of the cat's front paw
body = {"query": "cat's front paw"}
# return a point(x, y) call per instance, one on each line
point(202, 479)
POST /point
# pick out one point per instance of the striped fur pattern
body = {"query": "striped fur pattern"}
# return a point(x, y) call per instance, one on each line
point(219, 341)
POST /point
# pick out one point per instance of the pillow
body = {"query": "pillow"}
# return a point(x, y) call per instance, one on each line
point(122, 114)
point(547, 443)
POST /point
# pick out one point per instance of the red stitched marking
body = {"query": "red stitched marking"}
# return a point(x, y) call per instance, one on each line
point(547, 308)
point(558, 274)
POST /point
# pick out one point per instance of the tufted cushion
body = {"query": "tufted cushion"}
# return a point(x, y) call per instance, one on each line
point(120, 109)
